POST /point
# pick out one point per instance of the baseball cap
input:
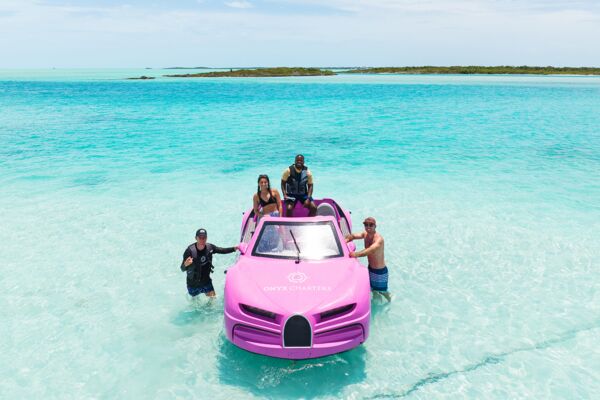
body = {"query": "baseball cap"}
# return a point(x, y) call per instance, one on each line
point(201, 232)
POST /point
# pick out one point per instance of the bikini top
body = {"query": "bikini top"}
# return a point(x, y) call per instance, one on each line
point(271, 200)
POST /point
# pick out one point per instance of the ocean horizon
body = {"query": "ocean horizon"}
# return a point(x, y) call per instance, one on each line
point(485, 188)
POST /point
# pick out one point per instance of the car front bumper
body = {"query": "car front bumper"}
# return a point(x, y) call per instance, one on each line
point(327, 338)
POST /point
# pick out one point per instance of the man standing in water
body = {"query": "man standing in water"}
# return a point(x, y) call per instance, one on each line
point(374, 246)
point(297, 186)
point(197, 263)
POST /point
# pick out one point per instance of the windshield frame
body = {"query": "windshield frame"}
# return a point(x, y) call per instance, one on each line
point(331, 224)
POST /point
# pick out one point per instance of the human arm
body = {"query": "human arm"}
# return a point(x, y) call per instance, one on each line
point(284, 177)
point(351, 236)
point(224, 250)
point(310, 183)
point(372, 248)
point(310, 190)
point(187, 259)
point(278, 198)
point(255, 204)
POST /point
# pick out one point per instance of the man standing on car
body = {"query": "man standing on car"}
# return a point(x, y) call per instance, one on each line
point(297, 186)
point(197, 263)
point(374, 247)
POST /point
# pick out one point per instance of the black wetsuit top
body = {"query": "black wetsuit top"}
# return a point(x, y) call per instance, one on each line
point(198, 273)
point(272, 200)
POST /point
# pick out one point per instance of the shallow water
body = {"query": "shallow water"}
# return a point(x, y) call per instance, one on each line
point(486, 189)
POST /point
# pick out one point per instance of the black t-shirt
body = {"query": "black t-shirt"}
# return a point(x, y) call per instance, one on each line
point(198, 273)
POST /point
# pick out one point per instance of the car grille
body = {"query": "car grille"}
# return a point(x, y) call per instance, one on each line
point(254, 335)
point(347, 333)
point(297, 332)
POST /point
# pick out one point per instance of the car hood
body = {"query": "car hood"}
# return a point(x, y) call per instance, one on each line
point(284, 287)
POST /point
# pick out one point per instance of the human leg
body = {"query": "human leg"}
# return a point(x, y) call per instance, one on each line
point(308, 203)
point(387, 295)
point(289, 207)
point(207, 289)
point(312, 209)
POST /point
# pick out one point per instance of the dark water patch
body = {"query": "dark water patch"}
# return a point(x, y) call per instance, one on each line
point(565, 151)
point(235, 168)
point(492, 359)
point(91, 180)
point(163, 170)
point(38, 177)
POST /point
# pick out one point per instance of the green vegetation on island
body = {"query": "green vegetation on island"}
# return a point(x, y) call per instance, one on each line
point(473, 69)
point(259, 72)
point(187, 68)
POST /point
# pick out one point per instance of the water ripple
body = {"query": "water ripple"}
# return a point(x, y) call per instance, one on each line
point(497, 358)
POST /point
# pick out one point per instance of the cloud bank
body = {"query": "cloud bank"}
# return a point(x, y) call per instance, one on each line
point(87, 33)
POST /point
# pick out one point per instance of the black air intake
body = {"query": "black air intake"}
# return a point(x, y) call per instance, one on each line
point(297, 333)
point(255, 311)
point(336, 312)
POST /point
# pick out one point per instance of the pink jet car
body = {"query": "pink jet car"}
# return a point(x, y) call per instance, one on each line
point(294, 292)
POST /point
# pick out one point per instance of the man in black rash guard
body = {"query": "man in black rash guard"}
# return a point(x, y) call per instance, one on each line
point(197, 263)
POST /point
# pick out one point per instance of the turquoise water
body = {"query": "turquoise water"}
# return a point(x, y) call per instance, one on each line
point(486, 189)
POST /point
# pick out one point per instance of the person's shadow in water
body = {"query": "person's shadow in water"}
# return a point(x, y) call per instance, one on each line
point(279, 378)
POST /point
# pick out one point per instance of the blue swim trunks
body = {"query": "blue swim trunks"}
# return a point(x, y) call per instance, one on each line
point(379, 279)
point(195, 291)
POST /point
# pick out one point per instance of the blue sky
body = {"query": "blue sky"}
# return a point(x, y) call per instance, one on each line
point(154, 33)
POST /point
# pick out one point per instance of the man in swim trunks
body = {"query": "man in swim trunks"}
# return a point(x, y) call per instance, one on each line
point(297, 186)
point(374, 247)
point(197, 263)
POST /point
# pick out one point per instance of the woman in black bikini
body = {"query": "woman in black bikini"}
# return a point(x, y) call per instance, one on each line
point(266, 201)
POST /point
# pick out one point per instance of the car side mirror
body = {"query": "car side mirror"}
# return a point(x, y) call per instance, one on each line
point(351, 246)
point(242, 247)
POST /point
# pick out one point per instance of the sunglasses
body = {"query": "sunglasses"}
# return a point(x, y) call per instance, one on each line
point(368, 224)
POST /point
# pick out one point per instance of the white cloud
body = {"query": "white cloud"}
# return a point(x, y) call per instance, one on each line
point(239, 4)
point(377, 32)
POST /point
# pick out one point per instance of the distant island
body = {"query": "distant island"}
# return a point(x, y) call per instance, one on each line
point(187, 68)
point(258, 72)
point(478, 70)
point(464, 70)
point(143, 77)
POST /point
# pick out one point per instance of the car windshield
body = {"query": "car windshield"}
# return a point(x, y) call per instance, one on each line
point(304, 240)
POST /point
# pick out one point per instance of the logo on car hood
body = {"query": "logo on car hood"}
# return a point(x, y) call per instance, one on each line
point(297, 277)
